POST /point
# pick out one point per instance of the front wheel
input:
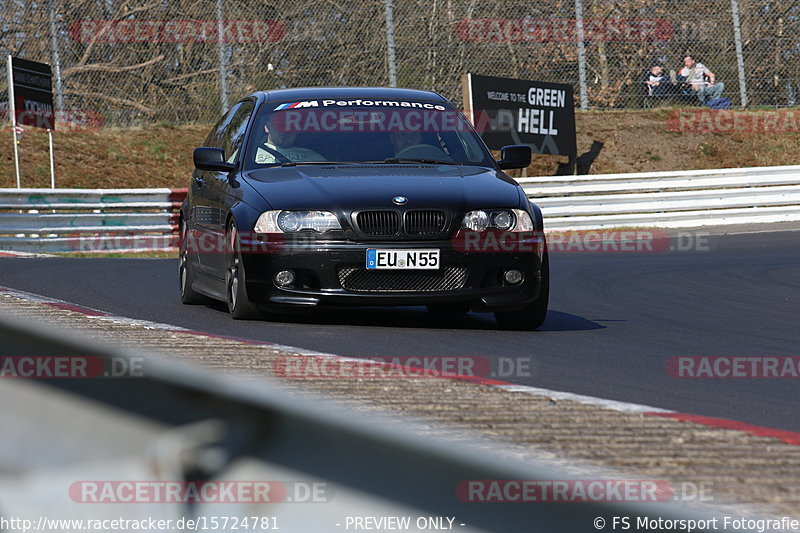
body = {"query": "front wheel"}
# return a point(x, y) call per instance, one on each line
point(531, 316)
point(239, 304)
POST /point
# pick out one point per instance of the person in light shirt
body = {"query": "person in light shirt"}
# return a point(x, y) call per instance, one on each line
point(701, 80)
point(278, 145)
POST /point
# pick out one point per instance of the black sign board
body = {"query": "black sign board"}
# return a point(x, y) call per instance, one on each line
point(510, 111)
point(33, 95)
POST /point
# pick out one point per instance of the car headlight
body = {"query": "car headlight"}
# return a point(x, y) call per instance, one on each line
point(295, 221)
point(516, 220)
point(476, 220)
point(503, 220)
point(523, 220)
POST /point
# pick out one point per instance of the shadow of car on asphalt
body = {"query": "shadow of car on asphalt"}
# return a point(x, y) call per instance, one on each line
point(415, 317)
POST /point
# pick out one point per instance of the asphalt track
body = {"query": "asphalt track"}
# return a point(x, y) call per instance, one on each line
point(615, 320)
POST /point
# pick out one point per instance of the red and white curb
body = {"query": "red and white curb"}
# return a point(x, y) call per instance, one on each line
point(786, 436)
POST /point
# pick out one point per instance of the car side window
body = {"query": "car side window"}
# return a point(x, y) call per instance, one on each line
point(229, 132)
point(233, 136)
point(214, 139)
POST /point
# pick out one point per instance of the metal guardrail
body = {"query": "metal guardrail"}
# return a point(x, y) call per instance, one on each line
point(48, 220)
point(178, 422)
point(668, 199)
point(64, 220)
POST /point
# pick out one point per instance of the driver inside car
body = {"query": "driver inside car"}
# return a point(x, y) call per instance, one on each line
point(410, 145)
point(278, 146)
point(402, 140)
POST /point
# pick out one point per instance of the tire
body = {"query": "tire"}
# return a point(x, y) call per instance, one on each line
point(186, 273)
point(239, 304)
point(532, 316)
point(449, 309)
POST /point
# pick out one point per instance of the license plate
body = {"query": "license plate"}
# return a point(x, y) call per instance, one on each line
point(402, 259)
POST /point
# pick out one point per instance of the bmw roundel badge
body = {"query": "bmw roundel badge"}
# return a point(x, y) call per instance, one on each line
point(400, 200)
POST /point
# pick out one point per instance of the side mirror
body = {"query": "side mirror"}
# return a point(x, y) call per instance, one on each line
point(515, 156)
point(212, 159)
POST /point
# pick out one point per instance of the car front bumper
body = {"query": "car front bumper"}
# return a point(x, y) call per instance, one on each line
point(334, 273)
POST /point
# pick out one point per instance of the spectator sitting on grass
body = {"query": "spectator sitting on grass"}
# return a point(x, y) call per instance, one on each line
point(658, 83)
point(694, 74)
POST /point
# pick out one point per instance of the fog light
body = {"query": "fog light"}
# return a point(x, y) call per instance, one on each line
point(284, 278)
point(513, 277)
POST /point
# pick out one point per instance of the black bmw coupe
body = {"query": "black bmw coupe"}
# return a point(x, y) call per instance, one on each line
point(360, 196)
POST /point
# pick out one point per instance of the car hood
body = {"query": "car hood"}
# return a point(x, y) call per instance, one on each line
point(348, 187)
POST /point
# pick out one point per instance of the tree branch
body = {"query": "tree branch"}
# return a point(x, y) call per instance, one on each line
point(108, 67)
point(112, 99)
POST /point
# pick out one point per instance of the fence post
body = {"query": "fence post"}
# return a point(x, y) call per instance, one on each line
point(223, 59)
point(56, 56)
point(581, 55)
point(390, 51)
point(737, 35)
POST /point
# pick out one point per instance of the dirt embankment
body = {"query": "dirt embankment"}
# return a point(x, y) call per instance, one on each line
point(634, 141)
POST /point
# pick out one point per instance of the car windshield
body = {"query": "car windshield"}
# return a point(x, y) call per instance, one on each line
point(363, 131)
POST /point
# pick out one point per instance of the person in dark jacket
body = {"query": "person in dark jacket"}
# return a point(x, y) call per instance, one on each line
point(657, 81)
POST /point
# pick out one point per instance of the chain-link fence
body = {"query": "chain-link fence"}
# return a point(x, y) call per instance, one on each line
point(143, 61)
